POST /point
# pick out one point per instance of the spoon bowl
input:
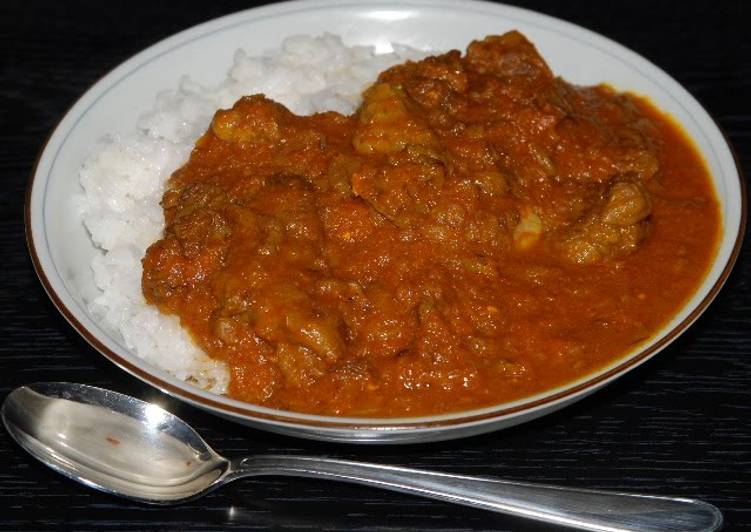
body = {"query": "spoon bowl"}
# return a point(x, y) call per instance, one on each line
point(137, 450)
point(112, 442)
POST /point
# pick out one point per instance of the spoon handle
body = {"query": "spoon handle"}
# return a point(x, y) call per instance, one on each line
point(580, 508)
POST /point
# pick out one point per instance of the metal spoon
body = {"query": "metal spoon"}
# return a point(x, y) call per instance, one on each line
point(137, 450)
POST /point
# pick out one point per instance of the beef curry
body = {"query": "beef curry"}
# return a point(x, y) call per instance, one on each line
point(478, 231)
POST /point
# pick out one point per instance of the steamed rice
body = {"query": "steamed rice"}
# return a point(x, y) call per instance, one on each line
point(124, 179)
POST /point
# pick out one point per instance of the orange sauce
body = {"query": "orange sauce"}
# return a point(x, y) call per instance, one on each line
point(478, 231)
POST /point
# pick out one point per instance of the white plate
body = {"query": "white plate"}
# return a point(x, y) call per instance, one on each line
point(61, 250)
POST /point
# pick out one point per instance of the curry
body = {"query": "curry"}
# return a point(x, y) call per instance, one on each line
point(478, 231)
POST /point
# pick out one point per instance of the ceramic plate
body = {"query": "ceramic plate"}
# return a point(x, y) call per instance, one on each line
point(61, 250)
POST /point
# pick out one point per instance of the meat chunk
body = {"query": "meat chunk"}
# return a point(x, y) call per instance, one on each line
point(507, 55)
point(385, 124)
point(253, 119)
point(628, 204)
point(615, 229)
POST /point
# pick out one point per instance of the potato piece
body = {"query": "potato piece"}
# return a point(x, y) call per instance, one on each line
point(528, 231)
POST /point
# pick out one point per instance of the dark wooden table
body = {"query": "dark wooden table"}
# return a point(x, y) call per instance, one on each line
point(680, 424)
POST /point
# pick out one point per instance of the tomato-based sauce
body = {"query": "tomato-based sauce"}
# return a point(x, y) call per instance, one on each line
point(478, 231)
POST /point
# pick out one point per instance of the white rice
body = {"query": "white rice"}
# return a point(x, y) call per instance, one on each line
point(124, 179)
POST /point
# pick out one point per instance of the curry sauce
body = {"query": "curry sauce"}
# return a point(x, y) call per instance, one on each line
point(477, 231)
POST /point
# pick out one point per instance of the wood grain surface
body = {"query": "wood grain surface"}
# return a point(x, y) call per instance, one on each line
point(680, 424)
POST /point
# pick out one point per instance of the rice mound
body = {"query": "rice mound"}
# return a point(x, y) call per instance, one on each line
point(124, 178)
